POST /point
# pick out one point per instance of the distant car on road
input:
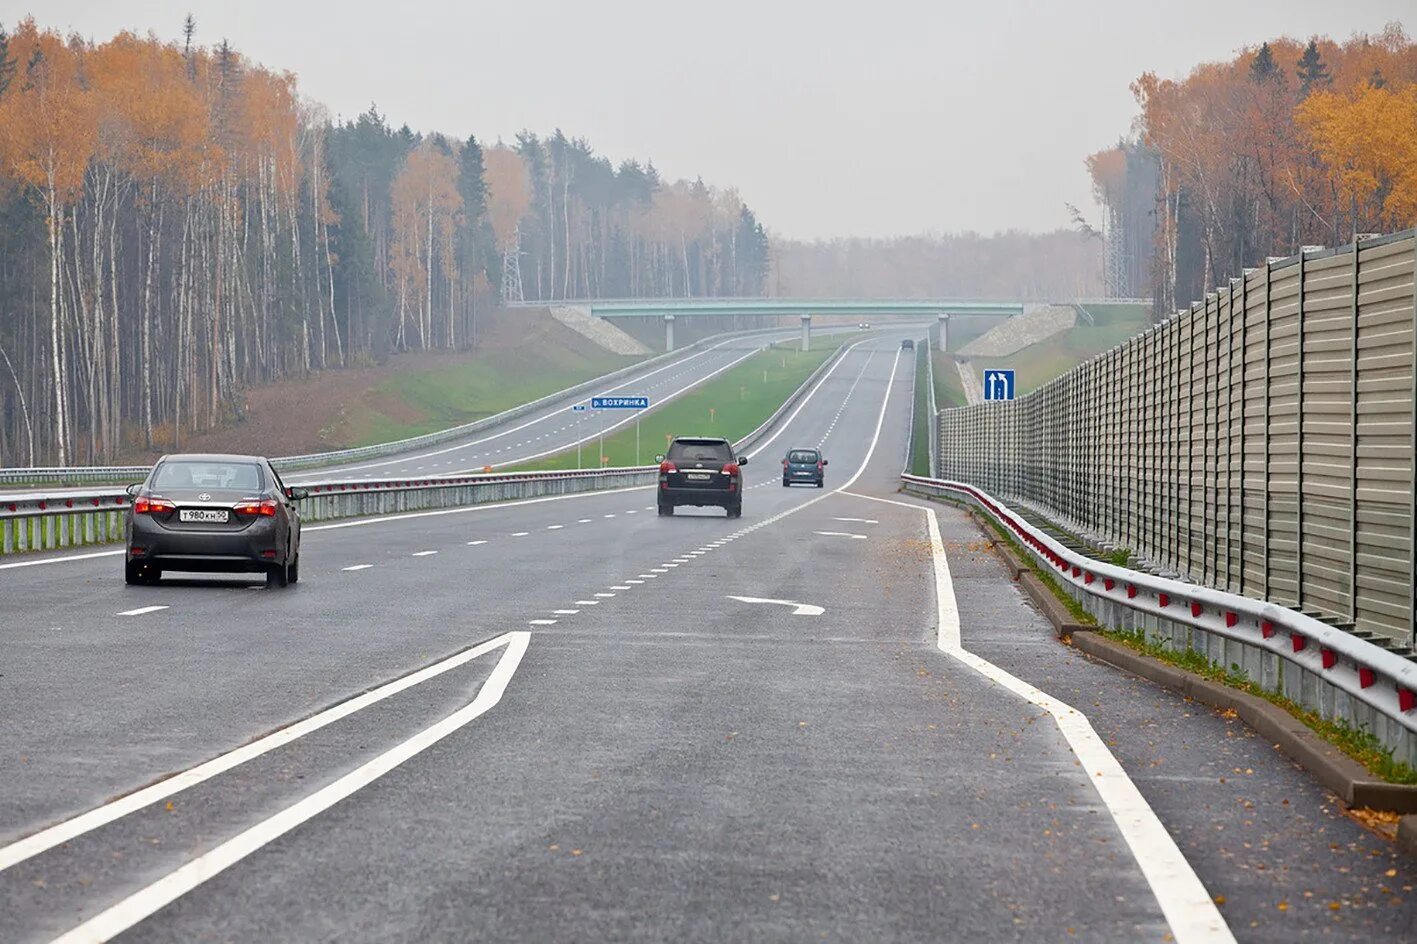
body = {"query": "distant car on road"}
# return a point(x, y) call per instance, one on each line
point(212, 514)
point(863, 325)
point(907, 345)
point(804, 465)
point(701, 471)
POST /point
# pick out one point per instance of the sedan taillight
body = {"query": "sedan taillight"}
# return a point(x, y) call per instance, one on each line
point(142, 505)
point(264, 509)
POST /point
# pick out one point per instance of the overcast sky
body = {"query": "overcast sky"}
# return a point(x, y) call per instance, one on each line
point(865, 118)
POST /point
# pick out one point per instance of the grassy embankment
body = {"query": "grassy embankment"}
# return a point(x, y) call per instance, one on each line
point(417, 402)
point(1039, 363)
point(731, 405)
point(920, 429)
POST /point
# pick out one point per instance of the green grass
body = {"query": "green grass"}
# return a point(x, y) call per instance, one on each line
point(731, 405)
point(920, 430)
point(1051, 358)
point(1362, 746)
point(412, 403)
point(949, 389)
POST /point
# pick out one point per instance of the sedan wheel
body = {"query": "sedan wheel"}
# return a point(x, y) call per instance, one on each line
point(294, 573)
point(277, 575)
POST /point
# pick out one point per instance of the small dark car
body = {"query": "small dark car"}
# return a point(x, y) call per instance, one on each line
point(907, 344)
point(701, 471)
point(804, 465)
point(213, 514)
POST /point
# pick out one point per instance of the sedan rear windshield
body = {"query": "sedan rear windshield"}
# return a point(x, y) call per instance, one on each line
point(244, 476)
point(801, 456)
point(689, 450)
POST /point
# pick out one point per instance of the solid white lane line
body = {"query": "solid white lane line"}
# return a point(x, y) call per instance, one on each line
point(475, 543)
point(71, 557)
point(542, 622)
point(100, 816)
point(424, 553)
point(841, 534)
point(141, 610)
point(1187, 906)
point(172, 886)
point(859, 520)
point(357, 567)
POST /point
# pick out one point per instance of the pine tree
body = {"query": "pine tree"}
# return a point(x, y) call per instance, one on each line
point(1313, 73)
point(7, 65)
point(1264, 67)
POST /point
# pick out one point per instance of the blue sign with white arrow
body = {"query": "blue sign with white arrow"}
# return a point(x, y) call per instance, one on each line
point(998, 385)
point(619, 403)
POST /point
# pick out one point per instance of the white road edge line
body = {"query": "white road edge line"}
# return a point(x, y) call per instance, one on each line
point(128, 912)
point(1185, 903)
point(59, 833)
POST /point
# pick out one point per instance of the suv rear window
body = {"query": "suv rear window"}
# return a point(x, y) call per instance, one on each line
point(802, 455)
point(186, 474)
point(699, 450)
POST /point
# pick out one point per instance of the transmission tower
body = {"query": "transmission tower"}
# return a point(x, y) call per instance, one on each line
point(512, 269)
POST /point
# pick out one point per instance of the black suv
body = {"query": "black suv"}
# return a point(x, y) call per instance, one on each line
point(701, 471)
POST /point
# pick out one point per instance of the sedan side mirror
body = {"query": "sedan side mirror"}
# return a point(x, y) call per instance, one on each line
point(825, 463)
point(134, 489)
point(296, 493)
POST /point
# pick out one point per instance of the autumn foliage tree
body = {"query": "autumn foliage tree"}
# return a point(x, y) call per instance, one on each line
point(1286, 145)
point(177, 225)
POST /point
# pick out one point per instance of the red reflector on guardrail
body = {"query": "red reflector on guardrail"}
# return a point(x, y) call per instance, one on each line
point(1108, 583)
point(1196, 608)
point(1231, 619)
point(1366, 676)
point(1163, 599)
point(1328, 657)
point(1406, 699)
point(1077, 571)
point(1088, 577)
point(1298, 642)
point(1266, 629)
point(1131, 592)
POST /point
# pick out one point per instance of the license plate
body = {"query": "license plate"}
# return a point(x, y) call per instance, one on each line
point(199, 515)
point(698, 476)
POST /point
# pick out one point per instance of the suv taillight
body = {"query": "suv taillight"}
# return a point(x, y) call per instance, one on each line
point(142, 505)
point(666, 467)
point(819, 465)
point(731, 468)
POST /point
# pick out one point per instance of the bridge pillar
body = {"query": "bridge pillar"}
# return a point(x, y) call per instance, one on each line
point(806, 332)
point(668, 333)
point(944, 332)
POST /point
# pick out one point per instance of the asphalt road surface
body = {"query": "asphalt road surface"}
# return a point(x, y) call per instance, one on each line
point(568, 719)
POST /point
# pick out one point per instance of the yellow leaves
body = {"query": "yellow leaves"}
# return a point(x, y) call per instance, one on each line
point(1367, 141)
point(1220, 899)
point(1283, 906)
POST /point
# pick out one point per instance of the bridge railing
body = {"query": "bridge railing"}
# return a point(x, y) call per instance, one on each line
point(1261, 442)
point(1322, 667)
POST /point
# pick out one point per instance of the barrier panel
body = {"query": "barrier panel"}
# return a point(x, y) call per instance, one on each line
point(1261, 442)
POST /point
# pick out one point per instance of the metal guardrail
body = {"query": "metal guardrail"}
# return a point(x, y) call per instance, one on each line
point(1322, 667)
point(77, 518)
point(81, 475)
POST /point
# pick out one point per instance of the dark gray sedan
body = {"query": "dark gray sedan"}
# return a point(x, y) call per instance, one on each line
point(213, 514)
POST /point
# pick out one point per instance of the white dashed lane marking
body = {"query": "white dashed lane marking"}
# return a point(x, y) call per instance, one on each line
point(475, 543)
point(141, 610)
point(424, 553)
point(358, 567)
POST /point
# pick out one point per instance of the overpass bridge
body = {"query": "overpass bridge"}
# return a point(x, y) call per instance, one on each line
point(671, 309)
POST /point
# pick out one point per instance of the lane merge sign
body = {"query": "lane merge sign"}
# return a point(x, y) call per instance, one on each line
point(998, 385)
point(619, 403)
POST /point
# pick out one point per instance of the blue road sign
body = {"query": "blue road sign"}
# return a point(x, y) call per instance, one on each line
point(579, 408)
point(998, 385)
point(619, 403)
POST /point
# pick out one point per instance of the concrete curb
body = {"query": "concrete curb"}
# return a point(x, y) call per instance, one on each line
point(1327, 764)
point(1407, 834)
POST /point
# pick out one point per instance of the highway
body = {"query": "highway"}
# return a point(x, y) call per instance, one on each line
point(835, 718)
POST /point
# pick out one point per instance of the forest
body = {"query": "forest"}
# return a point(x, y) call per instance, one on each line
point(178, 224)
point(1288, 144)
